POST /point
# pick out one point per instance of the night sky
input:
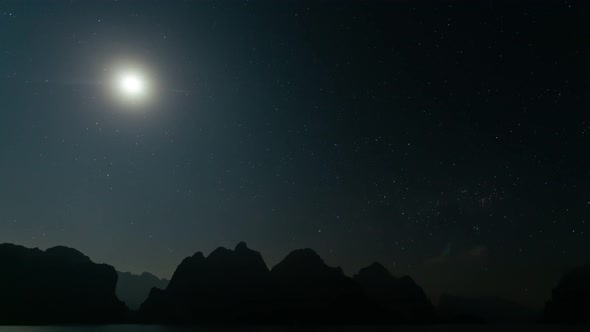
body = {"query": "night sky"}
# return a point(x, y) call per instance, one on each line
point(447, 140)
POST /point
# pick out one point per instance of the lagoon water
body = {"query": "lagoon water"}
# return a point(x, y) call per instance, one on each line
point(423, 328)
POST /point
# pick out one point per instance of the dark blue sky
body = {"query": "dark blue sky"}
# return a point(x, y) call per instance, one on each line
point(447, 140)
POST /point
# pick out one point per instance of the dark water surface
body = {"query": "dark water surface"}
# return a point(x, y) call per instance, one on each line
point(426, 328)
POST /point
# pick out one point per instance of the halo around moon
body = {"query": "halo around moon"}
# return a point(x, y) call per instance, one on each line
point(130, 86)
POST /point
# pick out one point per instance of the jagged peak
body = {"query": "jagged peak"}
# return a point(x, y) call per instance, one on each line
point(219, 252)
point(198, 255)
point(144, 275)
point(377, 265)
point(190, 260)
point(304, 253)
point(241, 246)
point(376, 268)
point(374, 272)
point(304, 259)
point(12, 246)
point(67, 252)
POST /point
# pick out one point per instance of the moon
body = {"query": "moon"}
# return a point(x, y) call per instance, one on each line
point(132, 85)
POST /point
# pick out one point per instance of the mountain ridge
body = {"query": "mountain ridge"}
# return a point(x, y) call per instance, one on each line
point(236, 286)
point(56, 286)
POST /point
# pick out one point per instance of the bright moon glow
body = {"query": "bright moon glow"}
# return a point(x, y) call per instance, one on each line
point(132, 85)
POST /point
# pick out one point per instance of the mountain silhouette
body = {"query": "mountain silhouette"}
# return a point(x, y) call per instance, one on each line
point(401, 297)
point(305, 289)
point(134, 289)
point(58, 285)
point(63, 286)
point(570, 299)
point(226, 286)
point(483, 309)
point(236, 286)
